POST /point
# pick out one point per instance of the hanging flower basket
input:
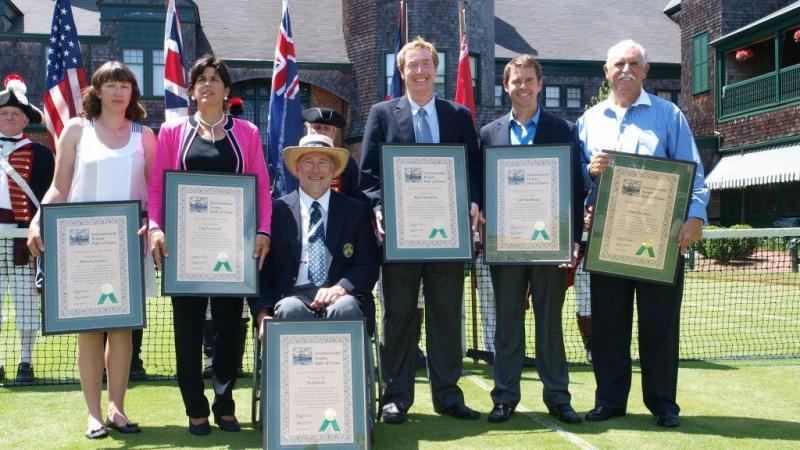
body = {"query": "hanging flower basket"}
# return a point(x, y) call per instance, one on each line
point(797, 35)
point(744, 54)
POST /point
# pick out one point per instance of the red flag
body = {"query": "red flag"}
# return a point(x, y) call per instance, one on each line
point(65, 75)
point(464, 90)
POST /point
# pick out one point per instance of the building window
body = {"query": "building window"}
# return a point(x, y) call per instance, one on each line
point(440, 83)
point(574, 97)
point(134, 59)
point(700, 63)
point(474, 70)
point(552, 96)
point(499, 93)
point(671, 95)
point(158, 73)
point(148, 67)
point(389, 66)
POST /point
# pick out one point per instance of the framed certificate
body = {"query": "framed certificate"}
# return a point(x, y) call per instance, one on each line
point(93, 267)
point(528, 204)
point(641, 204)
point(313, 385)
point(210, 223)
point(425, 203)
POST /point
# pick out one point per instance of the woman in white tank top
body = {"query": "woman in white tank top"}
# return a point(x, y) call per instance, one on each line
point(103, 155)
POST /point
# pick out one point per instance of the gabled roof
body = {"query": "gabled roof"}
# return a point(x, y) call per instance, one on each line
point(578, 30)
point(38, 16)
point(672, 7)
point(247, 29)
point(764, 21)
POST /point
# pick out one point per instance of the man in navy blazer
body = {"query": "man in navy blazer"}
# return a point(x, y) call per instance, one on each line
point(529, 124)
point(420, 117)
point(324, 258)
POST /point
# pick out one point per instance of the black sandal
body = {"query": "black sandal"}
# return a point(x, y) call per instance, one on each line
point(127, 428)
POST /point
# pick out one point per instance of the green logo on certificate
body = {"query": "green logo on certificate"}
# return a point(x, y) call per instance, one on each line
point(539, 232)
point(222, 263)
point(438, 229)
point(330, 421)
point(647, 246)
point(107, 294)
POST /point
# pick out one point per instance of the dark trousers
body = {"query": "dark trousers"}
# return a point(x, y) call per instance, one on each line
point(188, 315)
point(510, 288)
point(443, 288)
point(136, 354)
point(658, 307)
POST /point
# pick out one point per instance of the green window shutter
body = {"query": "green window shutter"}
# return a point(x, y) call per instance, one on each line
point(700, 63)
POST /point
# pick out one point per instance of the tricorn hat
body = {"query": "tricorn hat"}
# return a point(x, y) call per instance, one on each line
point(236, 106)
point(315, 143)
point(14, 95)
point(325, 116)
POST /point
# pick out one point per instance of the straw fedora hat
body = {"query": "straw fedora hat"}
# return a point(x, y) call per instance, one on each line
point(318, 143)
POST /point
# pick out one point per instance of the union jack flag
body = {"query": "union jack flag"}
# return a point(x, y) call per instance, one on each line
point(65, 75)
point(176, 100)
point(285, 123)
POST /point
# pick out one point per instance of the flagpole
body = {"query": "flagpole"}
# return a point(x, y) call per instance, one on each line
point(404, 5)
point(462, 21)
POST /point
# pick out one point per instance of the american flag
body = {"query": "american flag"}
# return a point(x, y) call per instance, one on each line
point(176, 100)
point(285, 119)
point(65, 75)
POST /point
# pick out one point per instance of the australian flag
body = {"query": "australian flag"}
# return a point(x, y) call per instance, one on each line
point(285, 117)
point(396, 88)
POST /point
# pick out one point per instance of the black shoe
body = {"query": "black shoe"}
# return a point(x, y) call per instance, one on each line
point(422, 362)
point(565, 413)
point(667, 420)
point(603, 413)
point(128, 428)
point(500, 413)
point(24, 373)
point(392, 414)
point(201, 429)
point(208, 373)
point(137, 374)
point(460, 411)
point(231, 425)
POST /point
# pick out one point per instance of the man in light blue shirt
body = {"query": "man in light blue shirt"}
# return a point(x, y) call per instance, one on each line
point(633, 121)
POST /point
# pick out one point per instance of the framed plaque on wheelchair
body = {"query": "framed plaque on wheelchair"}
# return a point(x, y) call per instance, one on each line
point(314, 385)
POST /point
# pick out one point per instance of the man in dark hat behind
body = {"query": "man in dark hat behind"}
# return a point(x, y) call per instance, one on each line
point(327, 121)
point(27, 171)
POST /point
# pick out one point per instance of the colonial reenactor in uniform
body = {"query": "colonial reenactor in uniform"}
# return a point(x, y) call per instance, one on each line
point(27, 170)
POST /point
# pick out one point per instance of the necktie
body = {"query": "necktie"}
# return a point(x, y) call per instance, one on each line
point(316, 247)
point(423, 130)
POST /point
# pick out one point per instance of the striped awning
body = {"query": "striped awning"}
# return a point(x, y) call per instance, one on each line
point(779, 164)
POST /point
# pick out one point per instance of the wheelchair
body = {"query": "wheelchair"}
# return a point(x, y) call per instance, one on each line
point(373, 373)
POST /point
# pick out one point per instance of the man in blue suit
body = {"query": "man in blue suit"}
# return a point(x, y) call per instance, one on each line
point(324, 258)
point(420, 117)
point(528, 124)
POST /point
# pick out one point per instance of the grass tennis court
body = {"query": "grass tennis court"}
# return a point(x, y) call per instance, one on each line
point(726, 404)
point(731, 316)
